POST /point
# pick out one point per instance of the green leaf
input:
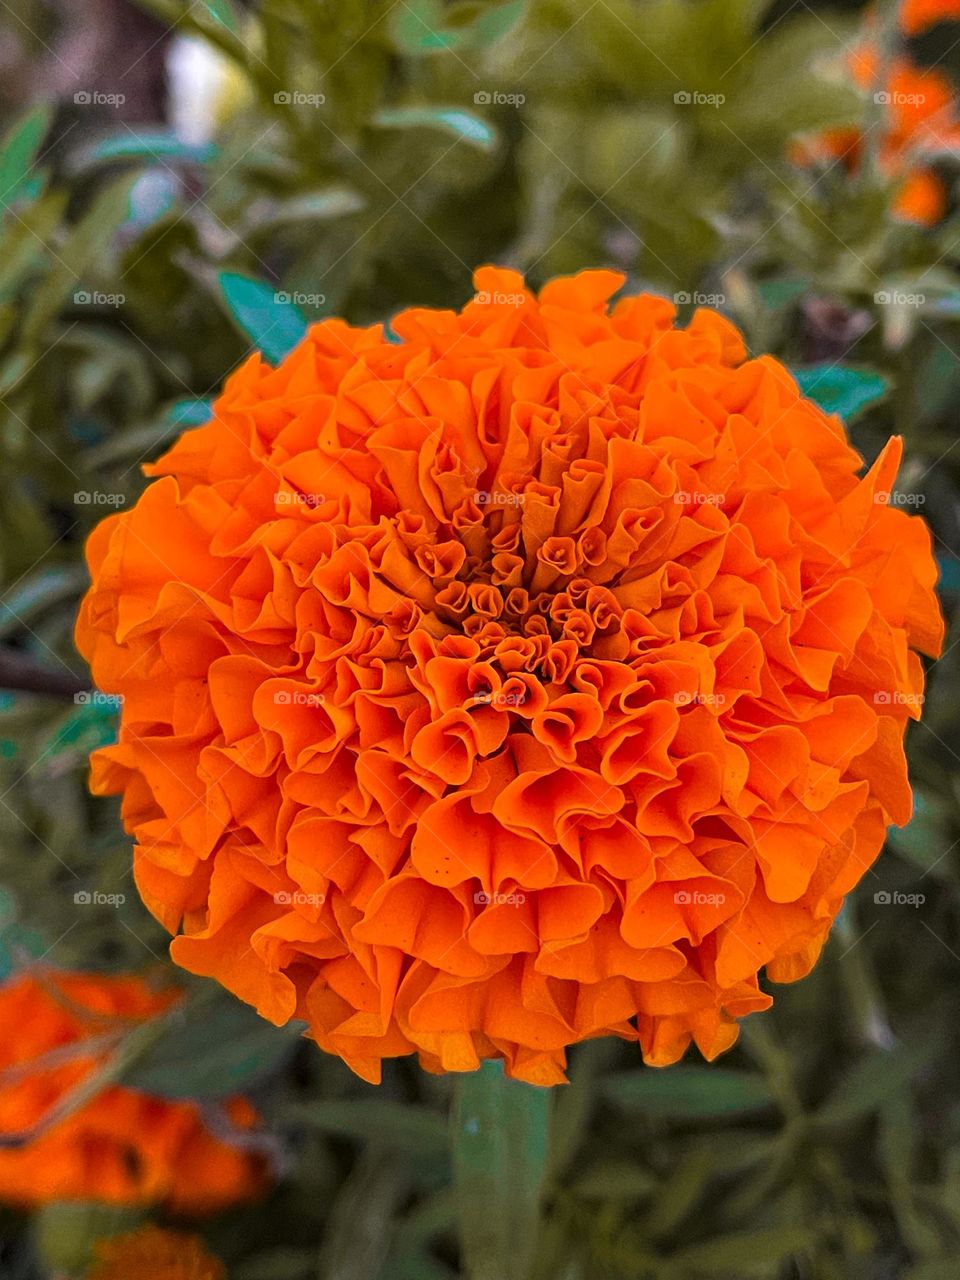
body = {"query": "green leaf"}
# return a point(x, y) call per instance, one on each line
point(926, 838)
point(158, 145)
point(312, 206)
point(873, 1080)
point(463, 125)
point(615, 1180)
point(499, 1137)
point(19, 150)
point(842, 388)
point(417, 28)
point(493, 24)
point(743, 1253)
point(88, 242)
point(377, 1120)
point(38, 592)
point(212, 1047)
point(222, 13)
point(273, 324)
point(686, 1093)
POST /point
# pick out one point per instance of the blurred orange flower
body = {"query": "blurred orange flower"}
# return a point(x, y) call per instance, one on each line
point(919, 119)
point(917, 15)
point(540, 677)
point(122, 1146)
point(153, 1254)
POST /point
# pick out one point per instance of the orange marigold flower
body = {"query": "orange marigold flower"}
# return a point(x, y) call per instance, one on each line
point(122, 1146)
point(154, 1254)
point(917, 15)
point(920, 117)
point(540, 677)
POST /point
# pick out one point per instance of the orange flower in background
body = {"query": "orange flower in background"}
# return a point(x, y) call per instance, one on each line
point(121, 1147)
point(540, 677)
point(917, 15)
point(153, 1254)
point(920, 118)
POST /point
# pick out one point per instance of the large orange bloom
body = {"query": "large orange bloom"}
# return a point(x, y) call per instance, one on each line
point(121, 1147)
point(154, 1254)
point(541, 677)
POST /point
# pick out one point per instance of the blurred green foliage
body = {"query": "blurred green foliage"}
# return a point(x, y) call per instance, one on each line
point(353, 159)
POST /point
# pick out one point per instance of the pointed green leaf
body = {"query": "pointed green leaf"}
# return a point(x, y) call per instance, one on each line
point(266, 315)
point(688, 1092)
point(18, 152)
point(453, 120)
point(842, 388)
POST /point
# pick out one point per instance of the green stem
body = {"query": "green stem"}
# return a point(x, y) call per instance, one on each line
point(500, 1142)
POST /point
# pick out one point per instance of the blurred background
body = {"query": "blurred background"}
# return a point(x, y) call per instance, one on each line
point(182, 182)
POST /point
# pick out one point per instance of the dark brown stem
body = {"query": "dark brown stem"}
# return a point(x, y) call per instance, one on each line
point(17, 671)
